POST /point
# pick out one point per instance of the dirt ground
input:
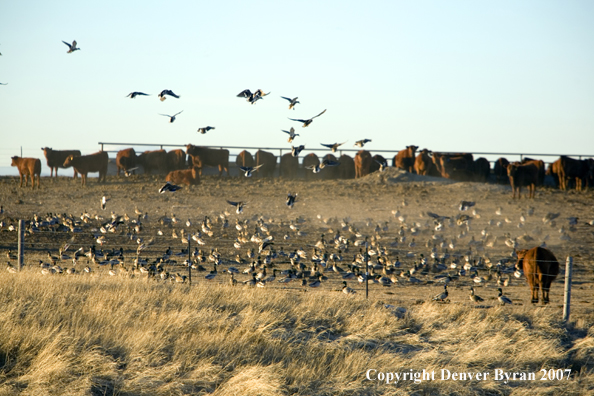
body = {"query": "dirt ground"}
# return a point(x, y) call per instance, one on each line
point(390, 209)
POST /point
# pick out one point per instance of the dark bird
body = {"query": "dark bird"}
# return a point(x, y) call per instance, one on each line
point(328, 162)
point(166, 92)
point(291, 134)
point(205, 129)
point(238, 205)
point(474, 297)
point(502, 299)
point(128, 172)
point(171, 118)
point(249, 169)
point(291, 200)
point(252, 97)
point(308, 121)
point(442, 296)
point(383, 165)
point(3, 83)
point(169, 187)
point(334, 146)
point(264, 245)
point(292, 102)
point(361, 143)
point(466, 204)
point(71, 47)
point(134, 94)
point(296, 150)
point(246, 93)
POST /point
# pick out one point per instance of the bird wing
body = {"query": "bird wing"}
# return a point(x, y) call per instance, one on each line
point(256, 167)
point(319, 114)
point(246, 168)
point(289, 99)
point(74, 43)
point(293, 119)
point(166, 115)
point(327, 145)
point(178, 113)
point(233, 203)
point(244, 94)
point(68, 44)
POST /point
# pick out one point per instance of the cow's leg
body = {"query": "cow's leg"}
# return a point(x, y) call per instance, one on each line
point(220, 170)
point(534, 289)
point(39, 181)
point(83, 177)
point(33, 181)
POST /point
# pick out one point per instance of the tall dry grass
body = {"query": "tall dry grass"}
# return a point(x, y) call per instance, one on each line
point(84, 335)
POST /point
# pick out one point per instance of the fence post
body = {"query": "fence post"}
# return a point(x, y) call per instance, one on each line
point(21, 243)
point(567, 294)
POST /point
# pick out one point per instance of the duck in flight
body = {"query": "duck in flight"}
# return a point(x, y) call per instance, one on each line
point(334, 146)
point(205, 129)
point(292, 102)
point(291, 133)
point(71, 47)
point(130, 171)
point(252, 97)
point(325, 163)
point(171, 118)
point(134, 94)
point(361, 143)
point(238, 206)
point(296, 150)
point(291, 200)
point(249, 169)
point(308, 121)
point(383, 165)
point(168, 187)
point(166, 92)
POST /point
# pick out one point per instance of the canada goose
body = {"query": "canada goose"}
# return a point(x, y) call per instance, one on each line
point(296, 150)
point(317, 283)
point(361, 143)
point(134, 94)
point(291, 134)
point(383, 165)
point(172, 118)
point(238, 206)
point(168, 187)
point(308, 121)
point(248, 170)
point(333, 146)
point(465, 205)
point(442, 296)
point(503, 299)
point(474, 297)
point(212, 273)
point(347, 290)
point(291, 200)
point(203, 130)
point(71, 47)
point(166, 92)
point(292, 102)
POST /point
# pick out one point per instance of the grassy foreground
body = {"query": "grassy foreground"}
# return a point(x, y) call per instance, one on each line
point(84, 335)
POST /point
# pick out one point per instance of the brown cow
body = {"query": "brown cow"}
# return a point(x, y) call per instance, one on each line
point(126, 159)
point(55, 159)
point(203, 156)
point(330, 172)
point(362, 163)
point(522, 176)
point(405, 159)
point(153, 160)
point(481, 170)
point(572, 169)
point(346, 169)
point(424, 164)
point(456, 167)
point(553, 170)
point(176, 159)
point(244, 159)
point(184, 176)
point(540, 268)
point(268, 162)
point(28, 167)
point(88, 164)
point(289, 166)
point(311, 159)
point(500, 170)
point(466, 167)
point(540, 165)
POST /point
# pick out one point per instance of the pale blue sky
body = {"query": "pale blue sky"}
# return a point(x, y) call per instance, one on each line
point(505, 76)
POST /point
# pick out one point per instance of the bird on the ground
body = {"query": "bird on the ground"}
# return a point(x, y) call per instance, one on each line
point(474, 297)
point(347, 290)
point(442, 296)
point(71, 47)
point(361, 143)
point(168, 187)
point(164, 92)
point(264, 245)
point(466, 204)
point(296, 150)
point(171, 118)
point(238, 206)
point(134, 94)
point(205, 129)
point(104, 202)
point(503, 299)
point(291, 200)
point(308, 121)
point(248, 170)
point(333, 146)
point(291, 133)
point(292, 102)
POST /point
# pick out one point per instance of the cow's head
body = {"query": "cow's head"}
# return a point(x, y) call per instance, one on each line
point(68, 161)
point(14, 161)
point(520, 263)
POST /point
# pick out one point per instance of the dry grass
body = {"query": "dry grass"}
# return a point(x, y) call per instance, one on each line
point(86, 335)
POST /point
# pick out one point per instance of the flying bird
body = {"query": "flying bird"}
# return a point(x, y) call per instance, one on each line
point(264, 245)
point(296, 150)
point(292, 102)
point(134, 94)
point(169, 187)
point(205, 129)
point(166, 92)
point(383, 165)
point(249, 169)
point(291, 134)
point(238, 205)
point(291, 200)
point(71, 47)
point(334, 146)
point(252, 97)
point(328, 162)
point(361, 143)
point(3, 83)
point(128, 172)
point(308, 121)
point(171, 118)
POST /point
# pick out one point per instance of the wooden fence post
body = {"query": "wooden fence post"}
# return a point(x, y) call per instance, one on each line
point(21, 249)
point(567, 294)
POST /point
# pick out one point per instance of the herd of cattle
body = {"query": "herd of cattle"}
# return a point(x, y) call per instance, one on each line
point(185, 167)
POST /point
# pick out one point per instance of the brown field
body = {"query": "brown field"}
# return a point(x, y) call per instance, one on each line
point(128, 334)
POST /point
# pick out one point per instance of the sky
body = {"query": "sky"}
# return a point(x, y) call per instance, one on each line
point(463, 76)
